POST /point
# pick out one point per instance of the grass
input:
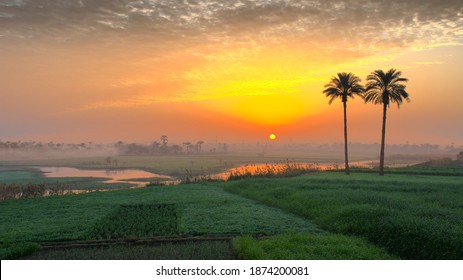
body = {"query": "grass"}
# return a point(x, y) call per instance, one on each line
point(414, 217)
point(137, 221)
point(23, 175)
point(308, 246)
point(319, 216)
point(414, 170)
point(287, 169)
point(198, 250)
point(17, 250)
point(19, 175)
point(205, 208)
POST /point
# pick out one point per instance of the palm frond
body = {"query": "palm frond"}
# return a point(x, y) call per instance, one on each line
point(343, 85)
point(384, 88)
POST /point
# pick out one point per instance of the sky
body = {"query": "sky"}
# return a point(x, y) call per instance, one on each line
point(237, 70)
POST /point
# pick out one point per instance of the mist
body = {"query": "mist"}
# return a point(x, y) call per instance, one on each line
point(269, 151)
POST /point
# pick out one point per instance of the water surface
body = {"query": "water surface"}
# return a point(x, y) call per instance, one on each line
point(113, 176)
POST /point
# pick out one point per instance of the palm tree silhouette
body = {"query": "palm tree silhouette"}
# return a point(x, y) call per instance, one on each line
point(384, 88)
point(164, 140)
point(188, 146)
point(343, 86)
point(200, 143)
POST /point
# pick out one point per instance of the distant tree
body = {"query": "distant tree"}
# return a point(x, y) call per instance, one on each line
point(176, 149)
point(108, 160)
point(384, 88)
point(199, 143)
point(164, 140)
point(188, 146)
point(155, 146)
point(344, 86)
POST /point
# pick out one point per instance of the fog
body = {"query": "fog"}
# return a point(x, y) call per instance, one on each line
point(265, 151)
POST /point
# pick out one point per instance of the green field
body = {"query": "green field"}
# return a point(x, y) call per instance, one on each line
point(410, 214)
point(309, 246)
point(204, 250)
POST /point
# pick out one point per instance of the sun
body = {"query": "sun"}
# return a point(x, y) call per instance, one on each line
point(272, 136)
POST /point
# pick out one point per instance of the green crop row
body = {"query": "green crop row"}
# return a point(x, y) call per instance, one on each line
point(191, 250)
point(308, 246)
point(205, 209)
point(414, 217)
point(137, 221)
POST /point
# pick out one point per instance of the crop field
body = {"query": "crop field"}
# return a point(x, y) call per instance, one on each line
point(202, 209)
point(411, 216)
point(137, 221)
point(193, 250)
point(308, 246)
point(205, 209)
point(411, 213)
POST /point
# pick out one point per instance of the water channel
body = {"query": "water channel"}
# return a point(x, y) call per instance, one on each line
point(112, 175)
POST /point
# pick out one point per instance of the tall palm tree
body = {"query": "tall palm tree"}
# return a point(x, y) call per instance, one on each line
point(343, 86)
point(188, 146)
point(200, 143)
point(384, 88)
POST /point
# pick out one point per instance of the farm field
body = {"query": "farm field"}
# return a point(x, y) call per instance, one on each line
point(199, 250)
point(322, 215)
point(411, 216)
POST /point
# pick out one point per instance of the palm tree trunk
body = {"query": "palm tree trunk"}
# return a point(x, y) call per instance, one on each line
point(383, 140)
point(345, 139)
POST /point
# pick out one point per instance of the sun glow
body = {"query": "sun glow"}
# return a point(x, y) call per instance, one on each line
point(272, 136)
point(266, 110)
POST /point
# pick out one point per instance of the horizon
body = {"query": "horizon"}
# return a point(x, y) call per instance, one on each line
point(235, 71)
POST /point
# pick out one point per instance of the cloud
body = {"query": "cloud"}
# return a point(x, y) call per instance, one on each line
point(225, 41)
point(360, 22)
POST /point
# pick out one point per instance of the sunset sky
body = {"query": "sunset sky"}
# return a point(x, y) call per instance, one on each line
point(237, 70)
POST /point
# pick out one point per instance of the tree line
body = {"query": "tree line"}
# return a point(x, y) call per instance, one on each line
point(382, 88)
point(163, 147)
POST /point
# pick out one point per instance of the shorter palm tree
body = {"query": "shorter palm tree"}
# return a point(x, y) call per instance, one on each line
point(384, 88)
point(344, 86)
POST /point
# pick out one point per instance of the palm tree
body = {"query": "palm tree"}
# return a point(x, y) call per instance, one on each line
point(188, 146)
point(199, 143)
point(343, 86)
point(164, 140)
point(384, 88)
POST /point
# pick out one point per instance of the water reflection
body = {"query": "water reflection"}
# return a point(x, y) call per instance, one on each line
point(133, 176)
point(113, 176)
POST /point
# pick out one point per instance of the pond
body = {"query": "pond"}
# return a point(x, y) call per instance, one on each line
point(113, 175)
